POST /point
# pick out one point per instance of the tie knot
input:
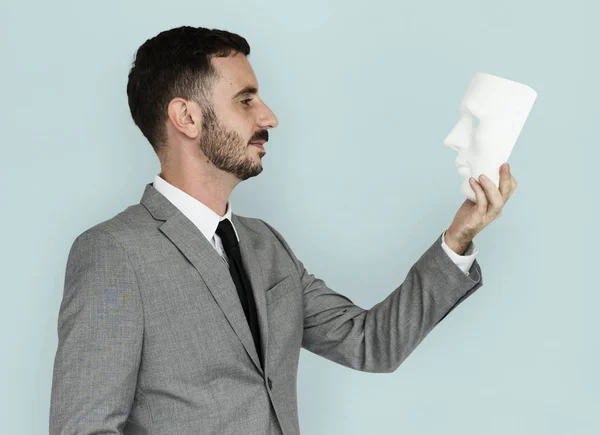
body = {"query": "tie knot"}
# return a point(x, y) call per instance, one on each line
point(227, 234)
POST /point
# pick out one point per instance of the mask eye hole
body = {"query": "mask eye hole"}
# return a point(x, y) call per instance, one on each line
point(475, 121)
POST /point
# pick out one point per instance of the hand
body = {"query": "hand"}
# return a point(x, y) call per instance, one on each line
point(472, 217)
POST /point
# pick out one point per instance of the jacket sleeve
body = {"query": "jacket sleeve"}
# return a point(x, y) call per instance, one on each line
point(379, 339)
point(100, 330)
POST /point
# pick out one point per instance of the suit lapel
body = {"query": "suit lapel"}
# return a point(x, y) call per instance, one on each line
point(251, 248)
point(213, 270)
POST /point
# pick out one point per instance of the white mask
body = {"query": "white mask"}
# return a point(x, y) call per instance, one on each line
point(493, 112)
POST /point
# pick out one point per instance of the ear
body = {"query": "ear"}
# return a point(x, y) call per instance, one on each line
point(185, 116)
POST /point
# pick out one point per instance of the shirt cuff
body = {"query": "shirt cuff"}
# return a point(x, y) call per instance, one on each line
point(464, 262)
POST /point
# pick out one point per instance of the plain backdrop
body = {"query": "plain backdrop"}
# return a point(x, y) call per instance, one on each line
point(357, 179)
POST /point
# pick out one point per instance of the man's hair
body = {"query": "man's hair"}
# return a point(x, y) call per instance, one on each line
point(175, 63)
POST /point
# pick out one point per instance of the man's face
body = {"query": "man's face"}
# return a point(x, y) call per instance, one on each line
point(236, 118)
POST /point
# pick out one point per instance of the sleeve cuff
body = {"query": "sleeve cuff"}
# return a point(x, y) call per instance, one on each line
point(464, 262)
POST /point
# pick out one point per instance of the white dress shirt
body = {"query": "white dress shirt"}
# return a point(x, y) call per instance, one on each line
point(207, 221)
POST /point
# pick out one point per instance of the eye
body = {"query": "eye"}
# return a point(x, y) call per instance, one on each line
point(248, 99)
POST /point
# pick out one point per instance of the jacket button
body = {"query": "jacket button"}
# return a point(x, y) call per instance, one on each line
point(270, 383)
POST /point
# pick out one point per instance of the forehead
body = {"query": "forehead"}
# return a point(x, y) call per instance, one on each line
point(235, 72)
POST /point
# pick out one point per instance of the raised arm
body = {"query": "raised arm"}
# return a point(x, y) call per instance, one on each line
point(381, 338)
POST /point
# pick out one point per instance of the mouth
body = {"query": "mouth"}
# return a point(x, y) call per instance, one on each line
point(258, 144)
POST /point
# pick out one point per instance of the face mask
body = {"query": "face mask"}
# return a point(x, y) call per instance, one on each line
point(492, 114)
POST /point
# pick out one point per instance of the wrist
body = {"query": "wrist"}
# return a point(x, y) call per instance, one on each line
point(456, 241)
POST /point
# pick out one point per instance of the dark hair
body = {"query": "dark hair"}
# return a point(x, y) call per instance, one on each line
point(175, 63)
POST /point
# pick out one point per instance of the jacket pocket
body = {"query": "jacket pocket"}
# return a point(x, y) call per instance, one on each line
point(279, 290)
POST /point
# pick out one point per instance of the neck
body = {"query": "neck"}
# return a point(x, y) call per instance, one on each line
point(209, 185)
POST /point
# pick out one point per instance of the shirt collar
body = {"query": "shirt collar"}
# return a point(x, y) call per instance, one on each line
point(203, 217)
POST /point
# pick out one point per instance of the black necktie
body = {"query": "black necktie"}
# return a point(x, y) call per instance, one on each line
point(240, 278)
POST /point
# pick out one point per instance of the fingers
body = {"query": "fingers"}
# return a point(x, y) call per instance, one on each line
point(505, 181)
point(480, 198)
point(494, 196)
point(486, 193)
point(513, 186)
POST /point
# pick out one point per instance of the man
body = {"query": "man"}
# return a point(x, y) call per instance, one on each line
point(180, 317)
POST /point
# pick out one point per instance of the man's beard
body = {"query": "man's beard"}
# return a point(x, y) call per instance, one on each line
point(225, 148)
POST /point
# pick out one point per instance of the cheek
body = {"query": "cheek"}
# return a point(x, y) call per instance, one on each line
point(240, 132)
point(480, 138)
point(490, 137)
point(241, 128)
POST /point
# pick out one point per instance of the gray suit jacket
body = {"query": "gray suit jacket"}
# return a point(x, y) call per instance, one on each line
point(153, 339)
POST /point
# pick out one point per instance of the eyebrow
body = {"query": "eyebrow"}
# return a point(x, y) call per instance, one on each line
point(247, 90)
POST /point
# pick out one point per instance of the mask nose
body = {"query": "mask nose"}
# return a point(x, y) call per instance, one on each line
point(460, 136)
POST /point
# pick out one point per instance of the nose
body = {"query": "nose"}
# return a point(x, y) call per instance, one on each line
point(459, 137)
point(268, 118)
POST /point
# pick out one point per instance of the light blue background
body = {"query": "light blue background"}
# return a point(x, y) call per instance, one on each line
point(357, 179)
